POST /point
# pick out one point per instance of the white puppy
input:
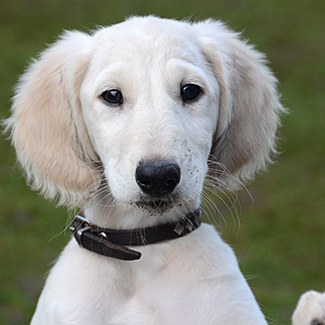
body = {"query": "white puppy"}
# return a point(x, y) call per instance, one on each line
point(126, 123)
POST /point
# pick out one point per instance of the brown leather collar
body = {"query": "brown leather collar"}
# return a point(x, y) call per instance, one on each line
point(110, 242)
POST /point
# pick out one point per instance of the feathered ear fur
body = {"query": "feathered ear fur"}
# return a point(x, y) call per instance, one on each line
point(249, 106)
point(47, 128)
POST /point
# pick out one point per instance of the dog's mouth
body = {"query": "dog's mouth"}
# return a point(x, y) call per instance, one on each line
point(155, 205)
point(160, 205)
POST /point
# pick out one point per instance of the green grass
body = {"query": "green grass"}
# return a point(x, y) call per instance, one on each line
point(280, 243)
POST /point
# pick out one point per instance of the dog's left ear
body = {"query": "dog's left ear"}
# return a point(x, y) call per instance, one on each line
point(249, 105)
point(47, 126)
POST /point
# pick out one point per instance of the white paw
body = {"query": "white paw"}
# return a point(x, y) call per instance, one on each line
point(310, 309)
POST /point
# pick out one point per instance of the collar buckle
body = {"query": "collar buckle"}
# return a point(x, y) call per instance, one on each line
point(83, 225)
point(87, 237)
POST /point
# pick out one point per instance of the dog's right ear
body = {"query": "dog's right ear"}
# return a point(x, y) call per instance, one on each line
point(47, 128)
point(249, 106)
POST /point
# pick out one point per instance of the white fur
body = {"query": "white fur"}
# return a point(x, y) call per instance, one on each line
point(76, 148)
point(310, 309)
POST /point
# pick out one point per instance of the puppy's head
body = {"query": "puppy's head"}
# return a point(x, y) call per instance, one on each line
point(140, 108)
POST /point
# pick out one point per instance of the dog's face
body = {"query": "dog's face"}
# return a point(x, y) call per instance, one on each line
point(137, 111)
point(150, 99)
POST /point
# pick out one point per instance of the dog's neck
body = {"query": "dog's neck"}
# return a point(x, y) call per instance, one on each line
point(97, 227)
point(113, 242)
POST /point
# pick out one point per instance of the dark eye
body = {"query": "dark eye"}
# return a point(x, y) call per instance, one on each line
point(112, 97)
point(190, 92)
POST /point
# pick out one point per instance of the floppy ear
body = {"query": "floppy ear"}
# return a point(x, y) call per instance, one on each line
point(47, 128)
point(249, 106)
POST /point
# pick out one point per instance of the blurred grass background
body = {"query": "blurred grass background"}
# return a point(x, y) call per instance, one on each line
point(280, 239)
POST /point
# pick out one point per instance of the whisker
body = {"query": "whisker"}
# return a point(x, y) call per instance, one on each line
point(222, 186)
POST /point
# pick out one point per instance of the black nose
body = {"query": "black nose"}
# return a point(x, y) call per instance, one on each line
point(157, 178)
